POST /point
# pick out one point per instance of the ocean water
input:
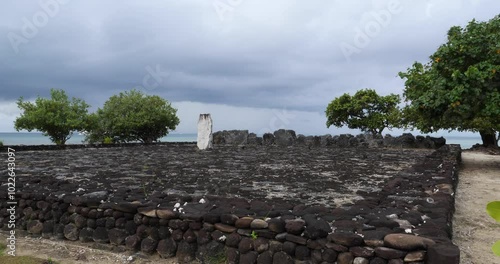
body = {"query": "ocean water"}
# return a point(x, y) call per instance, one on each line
point(465, 142)
point(20, 138)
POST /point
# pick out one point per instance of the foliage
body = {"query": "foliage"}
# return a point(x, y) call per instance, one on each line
point(132, 116)
point(459, 88)
point(366, 110)
point(24, 260)
point(496, 248)
point(144, 189)
point(217, 258)
point(254, 235)
point(108, 140)
point(493, 209)
point(95, 130)
point(57, 117)
point(3, 247)
point(1, 143)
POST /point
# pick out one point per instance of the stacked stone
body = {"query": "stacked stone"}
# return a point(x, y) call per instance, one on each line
point(407, 222)
point(302, 235)
point(313, 234)
point(285, 138)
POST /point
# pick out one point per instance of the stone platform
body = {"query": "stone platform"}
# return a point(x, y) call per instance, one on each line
point(244, 203)
point(295, 175)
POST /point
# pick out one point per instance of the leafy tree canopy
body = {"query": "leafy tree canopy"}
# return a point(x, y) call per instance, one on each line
point(132, 116)
point(366, 110)
point(57, 117)
point(459, 88)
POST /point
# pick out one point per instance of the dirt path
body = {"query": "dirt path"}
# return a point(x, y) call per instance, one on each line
point(68, 252)
point(474, 230)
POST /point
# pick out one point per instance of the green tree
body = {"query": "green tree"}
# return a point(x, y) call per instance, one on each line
point(366, 110)
point(459, 88)
point(132, 116)
point(57, 117)
point(94, 128)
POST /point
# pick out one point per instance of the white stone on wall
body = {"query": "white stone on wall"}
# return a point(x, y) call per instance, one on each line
point(205, 131)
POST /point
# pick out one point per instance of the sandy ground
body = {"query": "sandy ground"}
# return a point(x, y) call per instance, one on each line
point(67, 252)
point(475, 231)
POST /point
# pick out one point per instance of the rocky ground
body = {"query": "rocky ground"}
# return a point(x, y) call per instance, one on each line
point(327, 176)
point(405, 185)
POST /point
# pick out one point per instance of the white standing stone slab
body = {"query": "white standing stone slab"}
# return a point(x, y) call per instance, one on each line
point(205, 131)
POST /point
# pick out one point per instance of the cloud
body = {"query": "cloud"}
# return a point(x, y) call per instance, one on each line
point(256, 120)
point(262, 55)
point(8, 113)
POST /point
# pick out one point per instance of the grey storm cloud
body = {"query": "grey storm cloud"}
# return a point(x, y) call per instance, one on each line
point(284, 54)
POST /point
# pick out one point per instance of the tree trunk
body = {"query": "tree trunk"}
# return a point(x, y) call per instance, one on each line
point(489, 139)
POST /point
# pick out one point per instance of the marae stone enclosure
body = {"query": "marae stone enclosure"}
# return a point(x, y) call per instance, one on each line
point(248, 203)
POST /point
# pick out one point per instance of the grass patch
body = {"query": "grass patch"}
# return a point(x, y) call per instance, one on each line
point(24, 260)
point(6, 259)
point(2, 249)
point(219, 258)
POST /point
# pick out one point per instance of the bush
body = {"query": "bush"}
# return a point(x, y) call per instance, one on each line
point(57, 117)
point(365, 110)
point(132, 116)
point(108, 140)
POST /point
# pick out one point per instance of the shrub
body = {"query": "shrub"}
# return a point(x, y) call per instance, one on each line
point(108, 140)
point(57, 117)
point(132, 116)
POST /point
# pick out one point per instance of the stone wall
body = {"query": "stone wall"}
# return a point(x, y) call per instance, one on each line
point(407, 222)
point(90, 146)
point(284, 137)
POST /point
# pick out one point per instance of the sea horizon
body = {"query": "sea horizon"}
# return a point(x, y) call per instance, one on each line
point(37, 138)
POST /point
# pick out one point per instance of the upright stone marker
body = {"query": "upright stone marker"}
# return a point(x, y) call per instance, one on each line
point(205, 131)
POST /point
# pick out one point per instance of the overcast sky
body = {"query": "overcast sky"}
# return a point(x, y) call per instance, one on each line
point(253, 64)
